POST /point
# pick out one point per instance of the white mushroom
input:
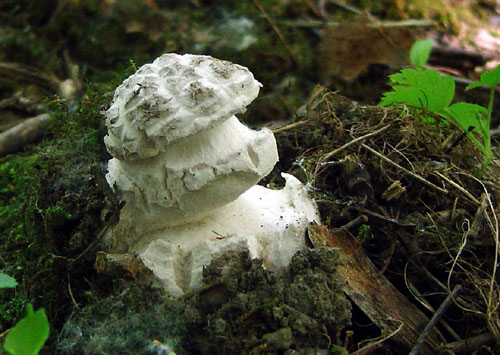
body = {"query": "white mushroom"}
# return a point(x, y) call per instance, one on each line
point(179, 151)
point(186, 168)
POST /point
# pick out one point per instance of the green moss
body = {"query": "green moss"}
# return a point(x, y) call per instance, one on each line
point(136, 320)
point(51, 199)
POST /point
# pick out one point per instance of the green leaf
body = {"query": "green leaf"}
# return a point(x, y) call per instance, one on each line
point(468, 115)
point(29, 334)
point(420, 88)
point(489, 79)
point(420, 51)
point(7, 281)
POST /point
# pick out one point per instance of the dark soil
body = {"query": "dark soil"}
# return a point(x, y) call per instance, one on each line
point(247, 309)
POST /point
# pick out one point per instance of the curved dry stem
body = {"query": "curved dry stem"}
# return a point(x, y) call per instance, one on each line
point(486, 285)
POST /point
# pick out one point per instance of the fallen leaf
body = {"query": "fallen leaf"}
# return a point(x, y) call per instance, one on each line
point(348, 48)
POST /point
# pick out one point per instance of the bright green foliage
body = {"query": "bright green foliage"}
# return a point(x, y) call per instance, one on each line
point(489, 79)
point(420, 51)
point(420, 88)
point(426, 89)
point(470, 117)
point(6, 281)
point(29, 334)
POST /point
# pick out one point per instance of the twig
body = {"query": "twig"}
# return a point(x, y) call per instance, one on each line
point(356, 222)
point(29, 131)
point(435, 318)
point(290, 126)
point(379, 341)
point(386, 219)
point(346, 7)
point(421, 299)
point(354, 141)
point(468, 345)
point(278, 32)
point(21, 103)
point(418, 177)
point(112, 221)
point(322, 9)
point(453, 213)
point(464, 191)
point(495, 132)
point(71, 295)
point(405, 23)
point(318, 23)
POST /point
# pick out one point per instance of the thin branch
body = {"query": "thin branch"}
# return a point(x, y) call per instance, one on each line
point(354, 141)
point(454, 184)
point(28, 131)
point(356, 222)
point(348, 144)
point(277, 30)
point(318, 23)
point(421, 299)
point(435, 318)
point(468, 345)
point(418, 177)
point(71, 295)
point(290, 126)
point(346, 7)
point(379, 341)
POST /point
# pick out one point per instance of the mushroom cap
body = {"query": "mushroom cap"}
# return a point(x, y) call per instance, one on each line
point(174, 97)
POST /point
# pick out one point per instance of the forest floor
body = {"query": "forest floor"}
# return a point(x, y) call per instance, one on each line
point(409, 222)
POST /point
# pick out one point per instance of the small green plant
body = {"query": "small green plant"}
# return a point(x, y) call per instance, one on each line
point(7, 281)
point(426, 90)
point(490, 80)
point(420, 51)
point(30, 333)
point(364, 233)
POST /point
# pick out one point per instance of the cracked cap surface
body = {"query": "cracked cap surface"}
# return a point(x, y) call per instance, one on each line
point(174, 97)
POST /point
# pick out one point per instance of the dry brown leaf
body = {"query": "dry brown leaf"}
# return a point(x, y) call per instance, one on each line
point(348, 48)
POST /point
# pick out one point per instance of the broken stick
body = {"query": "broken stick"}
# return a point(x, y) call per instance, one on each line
point(29, 131)
point(374, 294)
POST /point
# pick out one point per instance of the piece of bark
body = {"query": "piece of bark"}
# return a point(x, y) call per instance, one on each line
point(122, 266)
point(29, 131)
point(373, 293)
